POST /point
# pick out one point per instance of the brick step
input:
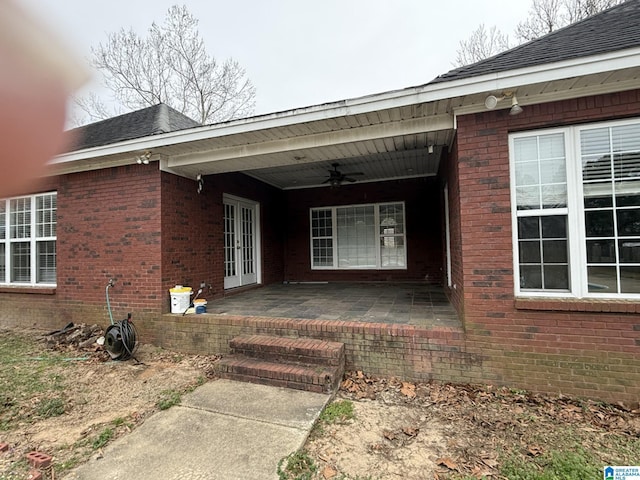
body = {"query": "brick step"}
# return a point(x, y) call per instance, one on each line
point(312, 378)
point(306, 351)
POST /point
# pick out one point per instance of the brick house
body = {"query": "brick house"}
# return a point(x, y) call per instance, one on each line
point(513, 183)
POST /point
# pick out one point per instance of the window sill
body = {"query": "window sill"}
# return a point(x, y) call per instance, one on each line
point(27, 289)
point(578, 305)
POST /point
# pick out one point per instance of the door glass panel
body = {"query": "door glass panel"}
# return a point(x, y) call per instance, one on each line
point(247, 241)
point(229, 240)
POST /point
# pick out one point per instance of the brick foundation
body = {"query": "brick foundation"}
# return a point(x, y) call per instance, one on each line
point(403, 351)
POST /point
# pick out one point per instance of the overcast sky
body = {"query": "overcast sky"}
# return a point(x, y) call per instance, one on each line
point(299, 53)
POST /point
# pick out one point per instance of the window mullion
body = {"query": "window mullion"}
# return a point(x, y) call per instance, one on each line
point(32, 240)
point(575, 216)
point(7, 267)
point(334, 235)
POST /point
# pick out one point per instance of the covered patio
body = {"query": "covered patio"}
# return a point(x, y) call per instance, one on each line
point(417, 304)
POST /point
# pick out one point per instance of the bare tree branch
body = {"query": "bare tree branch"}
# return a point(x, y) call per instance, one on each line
point(544, 17)
point(480, 45)
point(171, 65)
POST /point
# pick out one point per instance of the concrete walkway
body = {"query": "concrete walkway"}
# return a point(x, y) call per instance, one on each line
point(222, 430)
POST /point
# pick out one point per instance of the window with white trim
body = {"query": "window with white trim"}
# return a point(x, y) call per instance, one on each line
point(576, 210)
point(368, 236)
point(28, 240)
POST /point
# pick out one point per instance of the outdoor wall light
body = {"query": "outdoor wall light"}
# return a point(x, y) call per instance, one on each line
point(200, 180)
point(144, 158)
point(515, 107)
point(491, 102)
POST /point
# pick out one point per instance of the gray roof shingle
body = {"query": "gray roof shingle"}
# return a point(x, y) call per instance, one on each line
point(617, 28)
point(153, 120)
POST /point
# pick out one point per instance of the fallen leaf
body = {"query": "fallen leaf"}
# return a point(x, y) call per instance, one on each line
point(389, 435)
point(490, 462)
point(408, 389)
point(534, 450)
point(329, 472)
point(479, 472)
point(410, 431)
point(447, 462)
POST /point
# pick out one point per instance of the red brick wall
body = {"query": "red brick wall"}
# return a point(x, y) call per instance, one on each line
point(192, 230)
point(423, 206)
point(588, 348)
point(108, 227)
point(191, 238)
point(146, 229)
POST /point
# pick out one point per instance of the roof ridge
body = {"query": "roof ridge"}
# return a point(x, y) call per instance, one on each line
point(161, 120)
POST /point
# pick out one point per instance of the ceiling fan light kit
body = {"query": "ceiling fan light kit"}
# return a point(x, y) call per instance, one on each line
point(336, 177)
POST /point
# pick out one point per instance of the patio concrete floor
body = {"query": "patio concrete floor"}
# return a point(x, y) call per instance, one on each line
point(393, 303)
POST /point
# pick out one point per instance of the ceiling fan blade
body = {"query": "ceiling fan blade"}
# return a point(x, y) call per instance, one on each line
point(353, 173)
point(349, 179)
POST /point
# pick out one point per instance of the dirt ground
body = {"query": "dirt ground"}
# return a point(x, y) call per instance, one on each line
point(401, 430)
point(103, 399)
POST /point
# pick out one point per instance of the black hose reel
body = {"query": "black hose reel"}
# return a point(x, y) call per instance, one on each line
point(121, 339)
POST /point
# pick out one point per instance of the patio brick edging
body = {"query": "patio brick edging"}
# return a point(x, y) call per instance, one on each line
point(405, 351)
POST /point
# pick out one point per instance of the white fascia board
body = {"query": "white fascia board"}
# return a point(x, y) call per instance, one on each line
point(398, 98)
point(498, 81)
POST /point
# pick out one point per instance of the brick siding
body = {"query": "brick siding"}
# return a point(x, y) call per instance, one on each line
point(588, 348)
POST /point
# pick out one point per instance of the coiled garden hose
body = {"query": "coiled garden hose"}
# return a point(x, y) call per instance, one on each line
point(120, 338)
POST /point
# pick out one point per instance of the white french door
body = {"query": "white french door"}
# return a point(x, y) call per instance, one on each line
point(241, 242)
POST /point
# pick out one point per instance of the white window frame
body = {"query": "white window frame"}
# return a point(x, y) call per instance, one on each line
point(334, 229)
point(576, 234)
point(33, 241)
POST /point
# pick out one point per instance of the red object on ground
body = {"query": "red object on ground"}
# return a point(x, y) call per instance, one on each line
point(39, 460)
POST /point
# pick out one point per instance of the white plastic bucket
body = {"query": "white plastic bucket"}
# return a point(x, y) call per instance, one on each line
point(180, 299)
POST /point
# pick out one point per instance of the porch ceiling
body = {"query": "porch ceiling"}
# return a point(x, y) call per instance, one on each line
point(399, 143)
point(397, 157)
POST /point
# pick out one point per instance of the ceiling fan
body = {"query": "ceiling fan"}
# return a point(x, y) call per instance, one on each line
point(336, 177)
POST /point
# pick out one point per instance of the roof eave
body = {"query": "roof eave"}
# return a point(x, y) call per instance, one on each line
point(429, 92)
